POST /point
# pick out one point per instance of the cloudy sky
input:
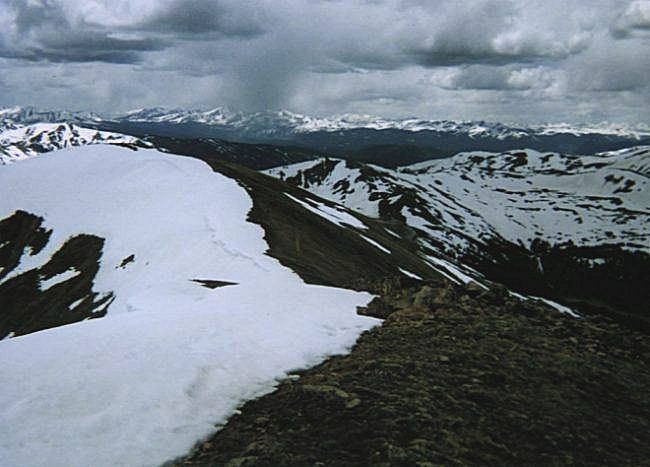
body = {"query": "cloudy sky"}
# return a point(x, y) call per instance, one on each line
point(503, 60)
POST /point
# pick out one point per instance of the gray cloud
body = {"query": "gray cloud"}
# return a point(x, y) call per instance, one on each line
point(528, 59)
point(633, 21)
point(88, 46)
point(203, 19)
point(263, 79)
point(611, 67)
point(30, 16)
point(490, 78)
point(44, 32)
point(476, 77)
point(450, 54)
point(495, 32)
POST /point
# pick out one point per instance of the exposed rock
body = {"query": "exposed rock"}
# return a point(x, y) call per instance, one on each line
point(377, 308)
point(28, 306)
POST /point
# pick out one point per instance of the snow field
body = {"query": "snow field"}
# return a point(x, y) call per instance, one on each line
point(172, 358)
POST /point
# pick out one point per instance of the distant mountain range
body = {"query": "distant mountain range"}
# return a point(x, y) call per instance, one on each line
point(350, 136)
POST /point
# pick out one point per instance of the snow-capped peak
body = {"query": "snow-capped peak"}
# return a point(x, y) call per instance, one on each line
point(19, 116)
point(281, 122)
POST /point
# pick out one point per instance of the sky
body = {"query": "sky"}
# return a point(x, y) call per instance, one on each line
point(516, 61)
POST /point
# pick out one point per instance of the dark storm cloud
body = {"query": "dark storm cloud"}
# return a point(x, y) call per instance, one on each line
point(43, 32)
point(481, 78)
point(30, 16)
point(89, 46)
point(453, 53)
point(202, 19)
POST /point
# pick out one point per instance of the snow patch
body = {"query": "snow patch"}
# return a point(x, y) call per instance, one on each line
point(518, 295)
point(32, 140)
point(558, 307)
point(392, 233)
point(459, 275)
point(475, 197)
point(57, 279)
point(76, 303)
point(170, 360)
point(335, 216)
point(376, 244)
point(410, 274)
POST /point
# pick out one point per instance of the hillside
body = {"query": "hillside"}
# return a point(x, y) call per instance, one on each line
point(150, 300)
point(192, 317)
point(455, 376)
point(570, 228)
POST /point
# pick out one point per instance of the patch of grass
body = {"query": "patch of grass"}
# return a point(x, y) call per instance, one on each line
point(456, 380)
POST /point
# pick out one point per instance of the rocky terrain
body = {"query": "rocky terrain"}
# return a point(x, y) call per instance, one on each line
point(455, 376)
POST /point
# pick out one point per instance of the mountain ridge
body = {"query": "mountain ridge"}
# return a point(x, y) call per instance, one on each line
point(306, 123)
point(570, 228)
point(343, 133)
point(131, 253)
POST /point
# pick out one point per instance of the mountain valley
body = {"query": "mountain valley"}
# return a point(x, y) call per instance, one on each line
point(192, 272)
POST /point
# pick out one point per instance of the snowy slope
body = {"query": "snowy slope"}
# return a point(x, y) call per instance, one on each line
point(27, 141)
point(464, 202)
point(172, 358)
point(587, 200)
